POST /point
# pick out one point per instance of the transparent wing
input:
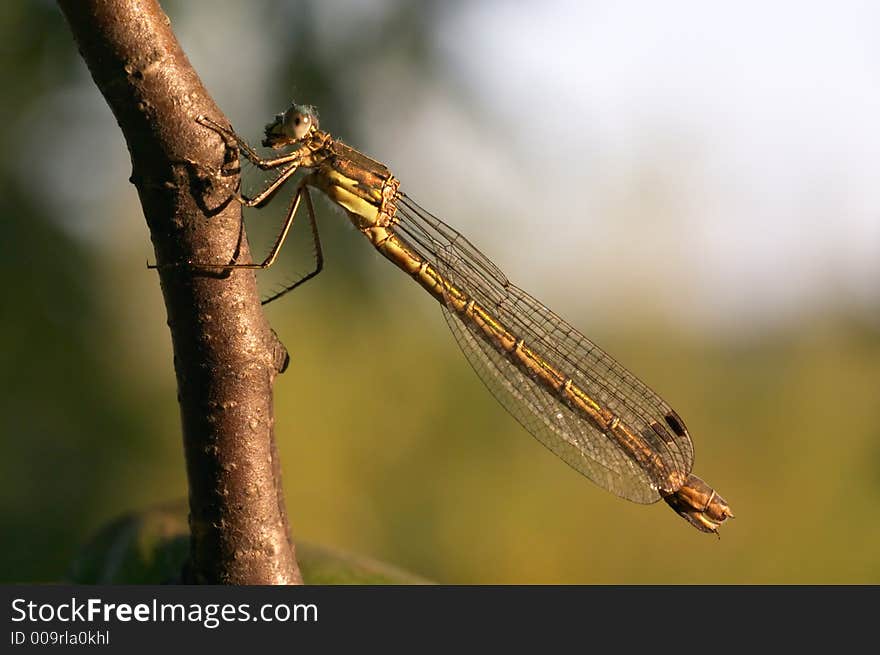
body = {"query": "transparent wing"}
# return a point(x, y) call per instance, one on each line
point(573, 438)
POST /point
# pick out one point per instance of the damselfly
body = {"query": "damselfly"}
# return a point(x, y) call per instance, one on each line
point(565, 390)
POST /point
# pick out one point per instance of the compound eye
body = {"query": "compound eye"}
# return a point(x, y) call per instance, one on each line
point(301, 124)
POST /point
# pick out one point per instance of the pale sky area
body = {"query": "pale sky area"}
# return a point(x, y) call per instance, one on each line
point(715, 162)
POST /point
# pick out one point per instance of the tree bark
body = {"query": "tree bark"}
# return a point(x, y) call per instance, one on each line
point(226, 356)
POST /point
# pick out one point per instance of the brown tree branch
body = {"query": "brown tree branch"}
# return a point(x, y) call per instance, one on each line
point(226, 356)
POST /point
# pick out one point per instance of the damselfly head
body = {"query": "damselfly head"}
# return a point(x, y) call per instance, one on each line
point(294, 125)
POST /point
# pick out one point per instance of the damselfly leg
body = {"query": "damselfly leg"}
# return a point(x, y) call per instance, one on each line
point(252, 155)
point(288, 165)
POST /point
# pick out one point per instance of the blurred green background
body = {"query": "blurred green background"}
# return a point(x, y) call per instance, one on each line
point(691, 188)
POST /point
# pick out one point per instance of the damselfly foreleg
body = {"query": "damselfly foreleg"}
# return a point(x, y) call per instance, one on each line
point(251, 154)
point(235, 144)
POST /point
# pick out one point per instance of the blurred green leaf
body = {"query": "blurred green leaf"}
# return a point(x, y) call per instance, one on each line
point(150, 547)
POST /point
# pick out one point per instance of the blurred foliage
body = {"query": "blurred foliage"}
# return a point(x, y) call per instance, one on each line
point(390, 445)
point(151, 547)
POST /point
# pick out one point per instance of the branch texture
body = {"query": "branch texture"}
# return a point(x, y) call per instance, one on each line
point(226, 356)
